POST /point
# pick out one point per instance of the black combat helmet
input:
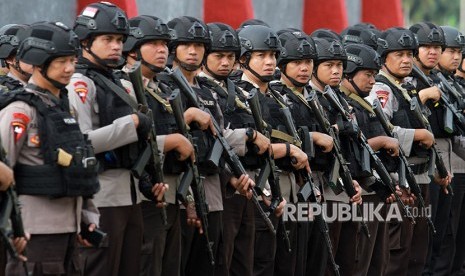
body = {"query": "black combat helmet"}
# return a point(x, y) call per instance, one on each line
point(453, 37)
point(146, 28)
point(258, 38)
point(327, 34)
point(396, 39)
point(428, 34)
point(10, 38)
point(295, 45)
point(329, 49)
point(224, 38)
point(46, 41)
point(360, 35)
point(101, 18)
point(360, 57)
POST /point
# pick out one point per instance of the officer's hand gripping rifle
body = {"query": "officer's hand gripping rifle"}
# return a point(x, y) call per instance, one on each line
point(413, 185)
point(308, 184)
point(337, 151)
point(135, 75)
point(269, 169)
point(228, 153)
point(10, 211)
point(192, 176)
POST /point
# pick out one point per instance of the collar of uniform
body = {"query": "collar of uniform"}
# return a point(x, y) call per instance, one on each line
point(247, 79)
point(44, 94)
point(16, 78)
point(204, 75)
point(365, 104)
point(314, 87)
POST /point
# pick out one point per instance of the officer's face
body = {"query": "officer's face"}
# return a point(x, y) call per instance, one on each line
point(221, 63)
point(62, 68)
point(155, 52)
point(263, 62)
point(450, 59)
point(330, 72)
point(190, 53)
point(108, 46)
point(400, 62)
point(365, 80)
point(429, 55)
point(300, 70)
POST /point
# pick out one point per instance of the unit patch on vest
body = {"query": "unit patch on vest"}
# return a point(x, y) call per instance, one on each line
point(383, 97)
point(19, 129)
point(80, 88)
point(34, 139)
point(17, 116)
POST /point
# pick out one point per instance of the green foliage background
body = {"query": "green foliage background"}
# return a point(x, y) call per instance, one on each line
point(441, 12)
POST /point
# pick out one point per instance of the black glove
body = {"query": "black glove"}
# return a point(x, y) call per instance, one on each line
point(145, 186)
point(144, 126)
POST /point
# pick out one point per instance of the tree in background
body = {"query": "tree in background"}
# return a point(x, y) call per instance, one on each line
point(441, 12)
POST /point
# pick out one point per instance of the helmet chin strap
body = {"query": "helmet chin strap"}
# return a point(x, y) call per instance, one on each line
point(355, 86)
point(264, 79)
point(185, 66)
point(18, 68)
point(391, 73)
point(152, 67)
point(105, 63)
point(216, 76)
point(422, 64)
point(292, 80)
point(55, 83)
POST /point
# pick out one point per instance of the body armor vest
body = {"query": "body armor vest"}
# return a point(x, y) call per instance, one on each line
point(111, 107)
point(403, 117)
point(57, 130)
point(438, 113)
point(303, 116)
point(9, 84)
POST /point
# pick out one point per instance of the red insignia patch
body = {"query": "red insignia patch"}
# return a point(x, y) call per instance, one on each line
point(18, 130)
point(383, 97)
point(82, 93)
point(22, 117)
point(35, 139)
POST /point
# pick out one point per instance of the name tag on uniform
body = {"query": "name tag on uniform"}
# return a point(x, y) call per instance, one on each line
point(70, 121)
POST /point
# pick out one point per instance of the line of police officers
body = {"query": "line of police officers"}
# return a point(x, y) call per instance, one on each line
point(73, 135)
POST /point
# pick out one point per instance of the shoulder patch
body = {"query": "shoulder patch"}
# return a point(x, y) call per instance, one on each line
point(19, 129)
point(80, 88)
point(383, 97)
point(17, 116)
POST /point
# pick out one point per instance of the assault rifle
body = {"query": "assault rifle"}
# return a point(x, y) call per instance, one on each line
point(227, 152)
point(10, 212)
point(453, 119)
point(135, 75)
point(344, 171)
point(268, 171)
point(192, 176)
point(308, 185)
point(412, 183)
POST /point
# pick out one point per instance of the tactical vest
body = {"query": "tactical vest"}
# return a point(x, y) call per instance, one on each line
point(111, 107)
point(438, 113)
point(9, 84)
point(303, 116)
point(57, 130)
point(404, 117)
point(165, 124)
point(236, 117)
point(371, 127)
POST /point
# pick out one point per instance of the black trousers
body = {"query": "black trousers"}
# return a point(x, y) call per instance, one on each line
point(195, 259)
point(236, 250)
point(264, 245)
point(120, 255)
point(161, 247)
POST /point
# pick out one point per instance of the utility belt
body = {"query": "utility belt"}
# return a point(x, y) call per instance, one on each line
point(420, 168)
point(73, 175)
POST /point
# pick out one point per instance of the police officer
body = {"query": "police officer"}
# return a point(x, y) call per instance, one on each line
point(363, 64)
point(296, 65)
point(189, 50)
point(18, 71)
point(53, 163)
point(114, 128)
point(259, 48)
point(457, 201)
point(148, 43)
point(443, 247)
point(236, 248)
point(396, 48)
